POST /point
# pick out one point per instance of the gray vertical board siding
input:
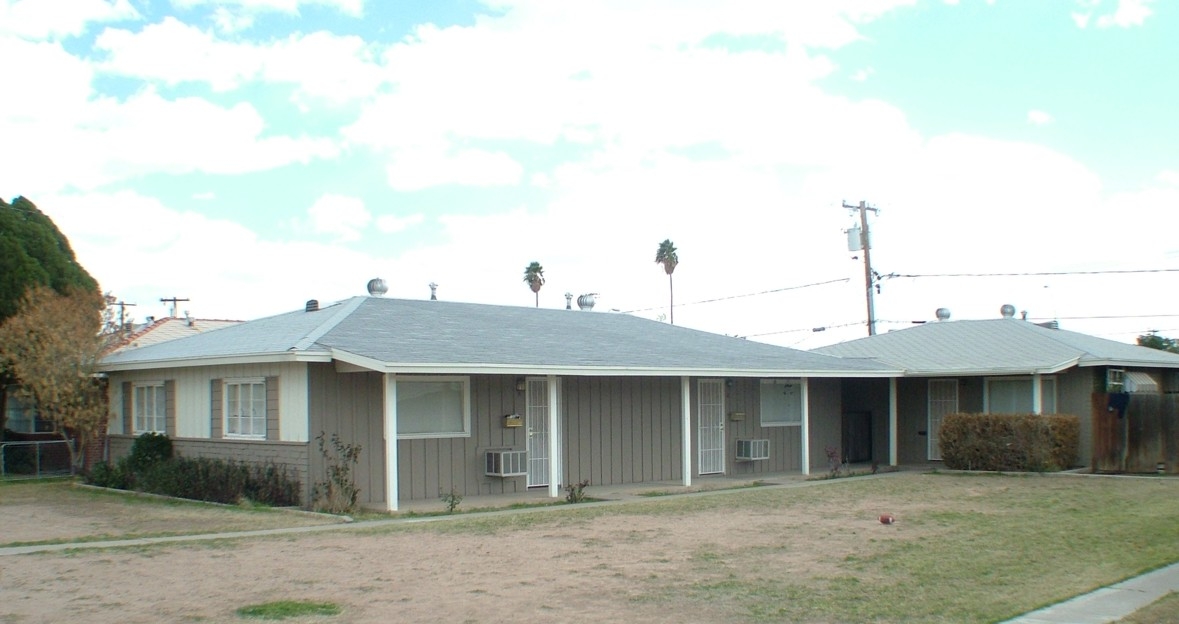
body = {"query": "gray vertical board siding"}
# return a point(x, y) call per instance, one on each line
point(170, 408)
point(128, 397)
point(216, 408)
point(826, 418)
point(616, 429)
point(352, 406)
point(1074, 392)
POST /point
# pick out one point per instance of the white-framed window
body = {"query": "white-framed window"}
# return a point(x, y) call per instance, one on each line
point(781, 402)
point(21, 414)
point(148, 408)
point(433, 407)
point(1014, 395)
point(245, 408)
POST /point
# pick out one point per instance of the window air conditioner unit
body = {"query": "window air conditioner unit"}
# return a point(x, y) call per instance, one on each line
point(753, 450)
point(505, 463)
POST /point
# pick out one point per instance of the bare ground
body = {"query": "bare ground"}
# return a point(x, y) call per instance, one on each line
point(652, 562)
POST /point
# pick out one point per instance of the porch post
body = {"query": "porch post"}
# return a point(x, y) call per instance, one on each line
point(686, 428)
point(892, 421)
point(391, 494)
point(805, 445)
point(554, 439)
point(1037, 393)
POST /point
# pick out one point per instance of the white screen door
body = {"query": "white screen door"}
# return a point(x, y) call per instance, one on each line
point(537, 420)
point(943, 400)
point(712, 426)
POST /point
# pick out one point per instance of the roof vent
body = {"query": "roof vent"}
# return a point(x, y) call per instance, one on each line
point(942, 314)
point(1007, 310)
point(587, 301)
point(433, 291)
point(377, 287)
point(568, 301)
point(312, 305)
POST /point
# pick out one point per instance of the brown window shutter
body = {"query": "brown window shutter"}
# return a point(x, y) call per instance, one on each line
point(217, 405)
point(272, 432)
point(128, 398)
point(170, 408)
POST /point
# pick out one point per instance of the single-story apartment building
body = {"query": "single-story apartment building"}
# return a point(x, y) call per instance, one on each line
point(999, 365)
point(484, 399)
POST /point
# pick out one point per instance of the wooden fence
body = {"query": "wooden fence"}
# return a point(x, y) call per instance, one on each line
point(1143, 440)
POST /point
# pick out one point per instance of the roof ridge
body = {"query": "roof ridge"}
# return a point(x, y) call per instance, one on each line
point(315, 334)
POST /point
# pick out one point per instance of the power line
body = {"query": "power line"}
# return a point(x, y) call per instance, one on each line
point(754, 294)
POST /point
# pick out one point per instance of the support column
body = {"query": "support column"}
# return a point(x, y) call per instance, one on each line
point(686, 427)
point(892, 421)
point(1037, 393)
point(805, 445)
point(554, 439)
point(391, 494)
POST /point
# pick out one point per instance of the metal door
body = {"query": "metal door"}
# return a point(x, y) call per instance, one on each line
point(711, 403)
point(943, 400)
point(537, 419)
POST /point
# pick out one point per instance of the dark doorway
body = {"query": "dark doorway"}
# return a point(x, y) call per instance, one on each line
point(857, 437)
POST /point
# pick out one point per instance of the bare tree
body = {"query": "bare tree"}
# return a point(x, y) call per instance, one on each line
point(52, 345)
point(666, 255)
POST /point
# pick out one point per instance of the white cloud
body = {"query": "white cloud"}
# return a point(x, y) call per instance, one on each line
point(860, 75)
point(37, 19)
point(354, 8)
point(1039, 117)
point(412, 170)
point(320, 65)
point(1128, 13)
point(1081, 19)
point(392, 224)
point(340, 216)
point(1168, 177)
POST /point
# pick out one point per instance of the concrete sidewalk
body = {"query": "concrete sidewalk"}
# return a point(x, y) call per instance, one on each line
point(1108, 604)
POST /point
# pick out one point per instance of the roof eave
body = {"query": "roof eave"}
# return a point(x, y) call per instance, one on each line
point(219, 360)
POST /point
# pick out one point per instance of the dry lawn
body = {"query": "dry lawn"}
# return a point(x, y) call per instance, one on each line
point(964, 549)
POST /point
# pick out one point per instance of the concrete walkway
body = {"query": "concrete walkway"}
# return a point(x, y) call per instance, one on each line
point(1108, 604)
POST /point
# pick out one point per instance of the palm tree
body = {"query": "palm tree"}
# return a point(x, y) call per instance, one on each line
point(668, 258)
point(534, 277)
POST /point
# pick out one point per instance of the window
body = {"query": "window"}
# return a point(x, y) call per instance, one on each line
point(433, 407)
point(781, 402)
point(245, 408)
point(1014, 395)
point(149, 409)
point(21, 416)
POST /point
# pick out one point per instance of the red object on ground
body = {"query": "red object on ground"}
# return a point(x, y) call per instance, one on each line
point(887, 519)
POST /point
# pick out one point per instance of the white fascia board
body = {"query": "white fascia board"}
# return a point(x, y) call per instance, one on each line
point(440, 368)
point(220, 360)
point(991, 372)
point(1124, 362)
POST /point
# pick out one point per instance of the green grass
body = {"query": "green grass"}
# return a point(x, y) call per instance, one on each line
point(284, 609)
point(1165, 610)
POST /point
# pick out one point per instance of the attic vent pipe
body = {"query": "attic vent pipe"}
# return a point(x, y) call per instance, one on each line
point(312, 305)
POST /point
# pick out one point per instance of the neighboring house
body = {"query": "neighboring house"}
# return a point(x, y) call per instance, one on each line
point(483, 399)
point(155, 331)
point(992, 366)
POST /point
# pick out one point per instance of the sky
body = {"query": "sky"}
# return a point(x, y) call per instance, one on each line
point(249, 155)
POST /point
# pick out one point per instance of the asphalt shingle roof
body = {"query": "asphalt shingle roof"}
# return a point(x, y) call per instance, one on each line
point(413, 334)
point(995, 346)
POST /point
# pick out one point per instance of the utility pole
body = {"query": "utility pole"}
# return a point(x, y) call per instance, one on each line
point(863, 208)
point(122, 307)
point(173, 301)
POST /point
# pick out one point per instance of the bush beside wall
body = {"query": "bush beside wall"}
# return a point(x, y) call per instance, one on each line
point(1010, 442)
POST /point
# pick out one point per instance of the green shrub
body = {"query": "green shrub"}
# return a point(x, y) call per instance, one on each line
point(221, 481)
point(1012, 442)
point(105, 474)
point(148, 450)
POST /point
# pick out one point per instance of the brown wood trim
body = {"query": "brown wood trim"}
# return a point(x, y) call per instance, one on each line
point(128, 399)
point(170, 408)
point(215, 389)
point(272, 433)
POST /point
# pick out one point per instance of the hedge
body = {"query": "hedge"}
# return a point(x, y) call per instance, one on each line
point(1010, 442)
